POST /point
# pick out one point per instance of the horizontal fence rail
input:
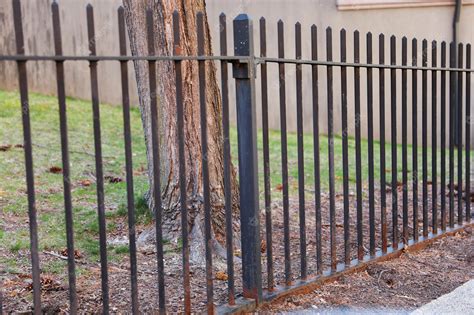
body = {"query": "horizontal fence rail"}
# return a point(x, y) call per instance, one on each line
point(342, 199)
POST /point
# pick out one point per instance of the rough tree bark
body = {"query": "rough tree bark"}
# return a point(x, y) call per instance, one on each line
point(136, 24)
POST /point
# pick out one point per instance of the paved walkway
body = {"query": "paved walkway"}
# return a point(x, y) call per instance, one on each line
point(459, 301)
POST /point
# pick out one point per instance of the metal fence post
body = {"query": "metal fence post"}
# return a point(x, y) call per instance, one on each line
point(244, 75)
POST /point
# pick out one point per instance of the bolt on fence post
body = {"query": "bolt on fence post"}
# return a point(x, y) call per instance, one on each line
point(244, 75)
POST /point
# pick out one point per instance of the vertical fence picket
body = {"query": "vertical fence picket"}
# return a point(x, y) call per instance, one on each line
point(443, 138)
point(467, 188)
point(332, 201)
point(65, 160)
point(284, 154)
point(266, 156)
point(459, 112)
point(316, 157)
point(98, 161)
point(404, 141)
point(434, 144)
point(345, 150)
point(452, 104)
point(28, 151)
point(227, 159)
point(205, 163)
point(370, 139)
point(414, 113)
point(182, 163)
point(424, 133)
point(383, 190)
point(300, 139)
point(360, 226)
point(156, 160)
point(128, 163)
point(393, 145)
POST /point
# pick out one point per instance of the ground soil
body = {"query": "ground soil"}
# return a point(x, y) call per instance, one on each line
point(402, 283)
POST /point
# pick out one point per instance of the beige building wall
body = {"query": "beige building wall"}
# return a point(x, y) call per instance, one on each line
point(420, 22)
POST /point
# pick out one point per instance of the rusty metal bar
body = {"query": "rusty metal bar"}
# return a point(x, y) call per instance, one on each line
point(155, 144)
point(180, 139)
point(266, 157)
point(28, 150)
point(393, 145)
point(345, 150)
point(414, 113)
point(227, 160)
point(284, 153)
point(383, 183)
point(98, 162)
point(65, 160)
point(300, 149)
point(358, 153)
point(316, 157)
point(434, 144)
point(332, 193)
point(405, 141)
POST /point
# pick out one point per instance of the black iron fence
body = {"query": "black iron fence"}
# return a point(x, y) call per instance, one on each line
point(336, 230)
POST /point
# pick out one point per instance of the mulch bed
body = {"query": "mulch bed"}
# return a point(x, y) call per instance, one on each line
point(398, 283)
point(401, 284)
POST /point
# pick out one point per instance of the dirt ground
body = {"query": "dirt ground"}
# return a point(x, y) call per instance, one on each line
point(403, 283)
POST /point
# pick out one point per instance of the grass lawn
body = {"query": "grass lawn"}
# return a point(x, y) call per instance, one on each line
point(45, 130)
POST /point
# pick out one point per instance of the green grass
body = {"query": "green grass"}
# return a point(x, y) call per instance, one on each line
point(47, 153)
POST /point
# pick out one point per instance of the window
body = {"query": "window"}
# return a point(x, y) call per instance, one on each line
point(378, 4)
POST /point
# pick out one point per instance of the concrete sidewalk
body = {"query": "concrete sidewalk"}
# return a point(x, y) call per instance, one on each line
point(459, 301)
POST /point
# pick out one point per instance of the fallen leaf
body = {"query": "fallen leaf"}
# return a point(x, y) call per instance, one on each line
point(85, 182)
point(77, 254)
point(263, 246)
point(4, 148)
point(279, 187)
point(55, 170)
point(113, 179)
point(221, 275)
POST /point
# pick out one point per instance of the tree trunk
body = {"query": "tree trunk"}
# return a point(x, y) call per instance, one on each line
point(136, 23)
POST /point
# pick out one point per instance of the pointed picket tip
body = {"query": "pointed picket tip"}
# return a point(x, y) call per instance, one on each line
point(199, 14)
point(222, 15)
point(314, 27)
point(89, 6)
point(434, 42)
point(328, 29)
point(414, 40)
point(298, 24)
point(343, 31)
point(262, 19)
point(356, 33)
point(54, 4)
point(382, 36)
point(121, 9)
point(280, 22)
point(369, 34)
